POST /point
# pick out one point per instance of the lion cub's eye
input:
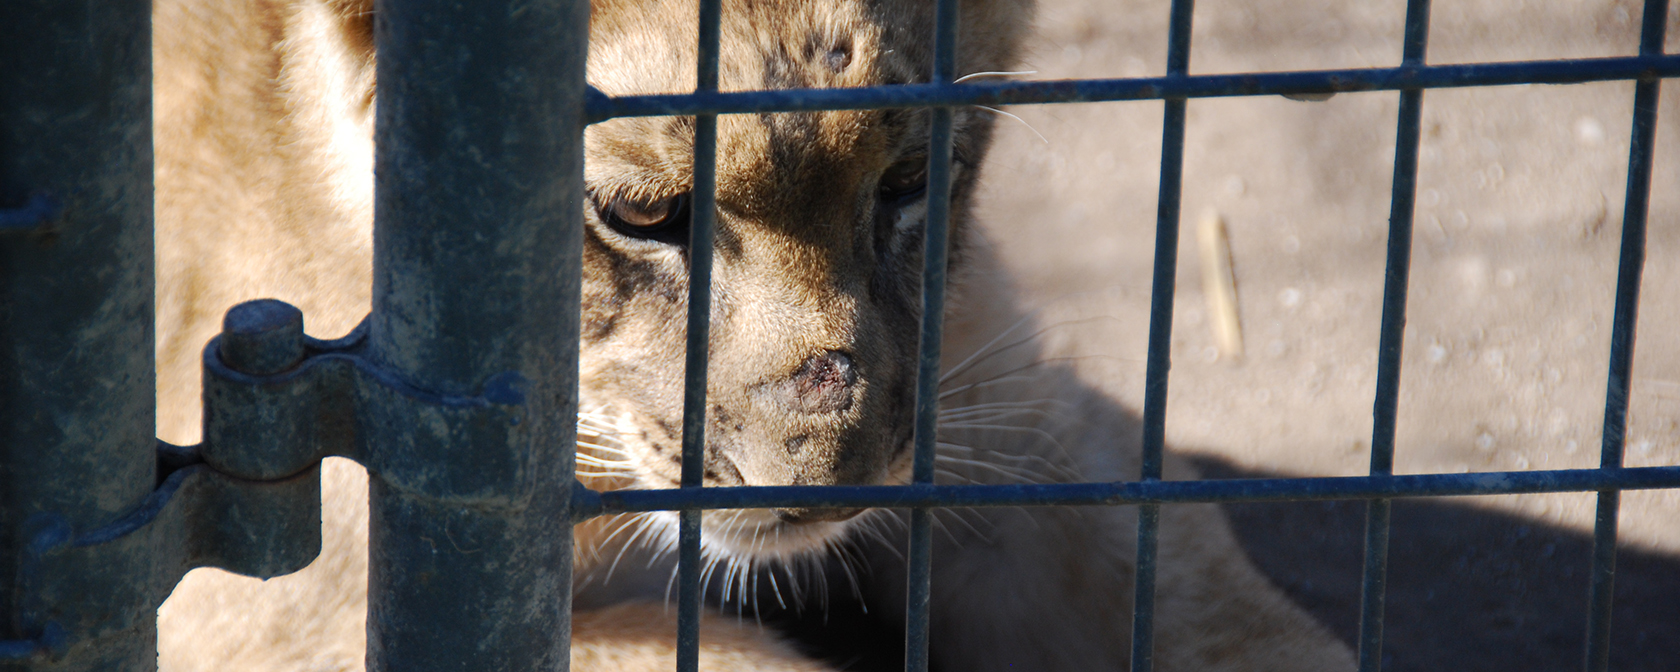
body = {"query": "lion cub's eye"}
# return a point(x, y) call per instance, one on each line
point(664, 220)
point(904, 181)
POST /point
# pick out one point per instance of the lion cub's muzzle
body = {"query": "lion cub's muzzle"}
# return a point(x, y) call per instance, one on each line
point(826, 420)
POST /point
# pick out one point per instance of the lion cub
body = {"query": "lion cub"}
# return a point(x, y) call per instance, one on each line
point(264, 188)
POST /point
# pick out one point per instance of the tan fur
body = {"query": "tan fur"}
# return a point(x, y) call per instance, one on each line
point(264, 147)
point(637, 636)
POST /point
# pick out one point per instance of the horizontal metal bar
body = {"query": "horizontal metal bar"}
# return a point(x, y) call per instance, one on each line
point(1122, 493)
point(602, 107)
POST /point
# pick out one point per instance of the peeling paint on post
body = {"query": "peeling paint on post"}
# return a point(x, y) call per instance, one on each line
point(76, 372)
point(476, 260)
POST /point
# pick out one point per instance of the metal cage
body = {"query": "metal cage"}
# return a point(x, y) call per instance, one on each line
point(452, 390)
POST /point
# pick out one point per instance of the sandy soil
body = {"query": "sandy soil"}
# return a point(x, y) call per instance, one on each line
point(1520, 196)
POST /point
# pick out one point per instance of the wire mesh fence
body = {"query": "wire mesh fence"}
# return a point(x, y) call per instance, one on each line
point(1411, 79)
point(410, 356)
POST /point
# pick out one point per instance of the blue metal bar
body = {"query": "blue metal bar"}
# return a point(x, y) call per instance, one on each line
point(935, 253)
point(1374, 588)
point(477, 249)
point(1163, 284)
point(1162, 287)
point(936, 247)
point(919, 591)
point(1143, 588)
point(1145, 88)
point(688, 592)
point(702, 229)
point(1602, 585)
point(77, 383)
point(1136, 492)
point(1601, 590)
point(1373, 591)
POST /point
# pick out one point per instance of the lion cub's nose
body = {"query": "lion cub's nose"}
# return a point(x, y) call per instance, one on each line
point(823, 384)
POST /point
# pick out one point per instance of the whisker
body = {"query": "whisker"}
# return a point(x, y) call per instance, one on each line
point(755, 572)
point(774, 587)
point(600, 461)
point(1038, 363)
point(997, 414)
point(1023, 121)
point(817, 592)
point(982, 349)
point(602, 474)
point(602, 449)
point(1065, 471)
point(1007, 472)
point(946, 448)
point(846, 552)
point(992, 73)
point(642, 524)
point(1020, 403)
point(1045, 436)
point(873, 529)
point(940, 525)
point(981, 354)
point(706, 570)
point(953, 514)
point(984, 384)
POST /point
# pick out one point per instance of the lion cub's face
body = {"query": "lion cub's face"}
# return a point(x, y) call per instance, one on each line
point(816, 286)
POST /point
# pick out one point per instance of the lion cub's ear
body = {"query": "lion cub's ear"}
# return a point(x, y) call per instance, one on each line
point(351, 7)
point(355, 21)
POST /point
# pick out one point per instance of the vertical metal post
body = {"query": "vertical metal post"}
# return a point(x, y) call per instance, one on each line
point(1374, 589)
point(476, 264)
point(935, 257)
point(701, 234)
point(76, 373)
point(1159, 356)
point(1601, 590)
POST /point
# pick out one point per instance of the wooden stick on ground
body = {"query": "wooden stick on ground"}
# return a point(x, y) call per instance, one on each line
point(1219, 284)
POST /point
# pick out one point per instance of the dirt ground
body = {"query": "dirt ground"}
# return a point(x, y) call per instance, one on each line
point(1518, 222)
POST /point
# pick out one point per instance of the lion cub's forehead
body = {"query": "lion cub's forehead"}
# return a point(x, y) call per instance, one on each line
point(649, 47)
point(642, 47)
point(764, 161)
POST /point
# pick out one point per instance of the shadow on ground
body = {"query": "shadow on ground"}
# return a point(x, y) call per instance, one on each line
point(1469, 588)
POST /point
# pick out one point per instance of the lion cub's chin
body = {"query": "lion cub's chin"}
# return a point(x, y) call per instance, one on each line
point(753, 535)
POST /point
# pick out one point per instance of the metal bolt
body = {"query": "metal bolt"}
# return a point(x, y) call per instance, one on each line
point(262, 337)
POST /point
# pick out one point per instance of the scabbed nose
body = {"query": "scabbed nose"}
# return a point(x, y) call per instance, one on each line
point(823, 384)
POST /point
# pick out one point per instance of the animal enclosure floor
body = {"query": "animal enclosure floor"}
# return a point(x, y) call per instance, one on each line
point(1517, 227)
